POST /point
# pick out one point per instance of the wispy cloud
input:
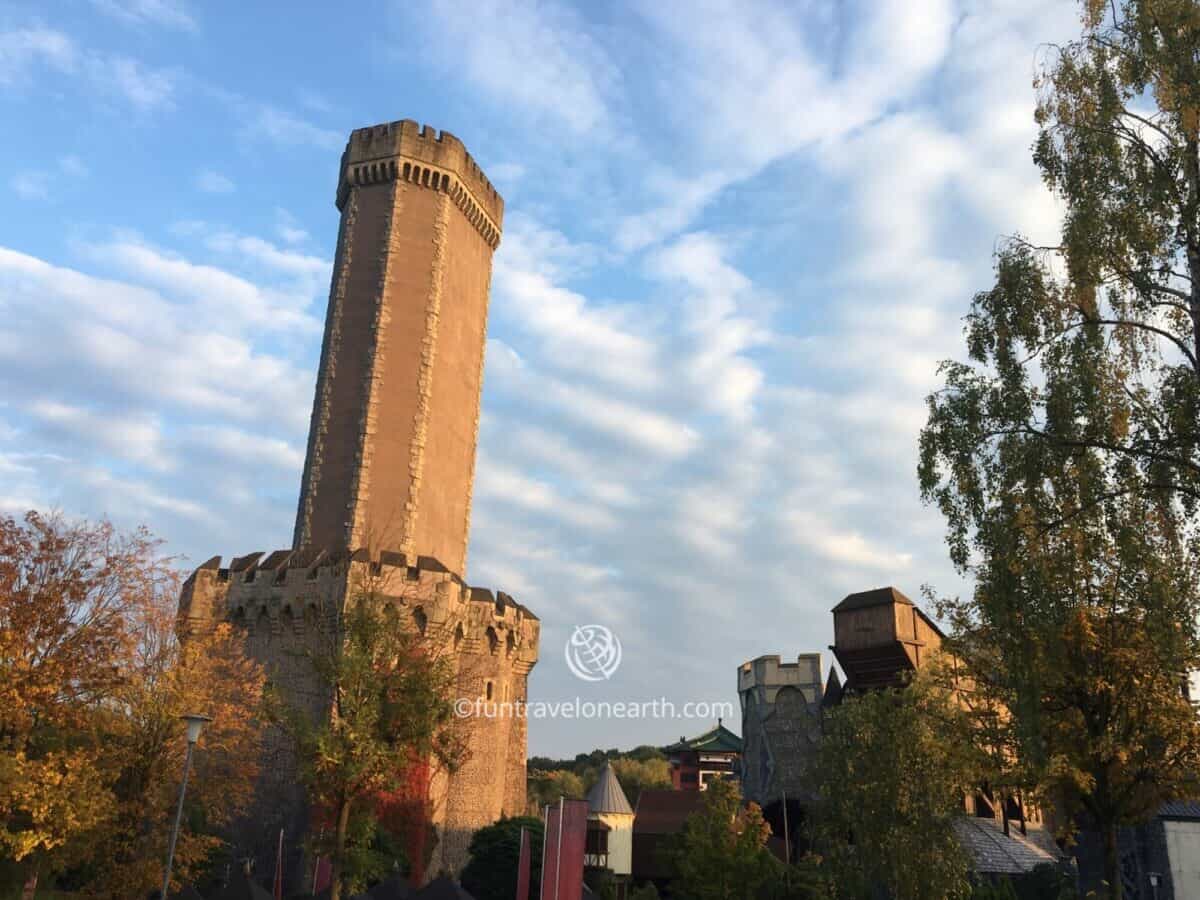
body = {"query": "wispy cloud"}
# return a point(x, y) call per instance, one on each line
point(280, 127)
point(143, 87)
point(33, 185)
point(539, 57)
point(22, 49)
point(173, 14)
point(211, 182)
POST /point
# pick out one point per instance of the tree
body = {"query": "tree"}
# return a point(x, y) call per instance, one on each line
point(491, 872)
point(889, 777)
point(639, 769)
point(71, 597)
point(543, 788)
point(721, 854)
point(204, 671)
point(1065, 454)
point(93, 679)
point(390, 709)
point(1118, 112)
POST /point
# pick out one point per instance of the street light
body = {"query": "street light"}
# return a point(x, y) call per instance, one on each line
point(194, 724)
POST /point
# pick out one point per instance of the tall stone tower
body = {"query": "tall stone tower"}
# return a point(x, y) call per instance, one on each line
point(386, 490)
point(391, 448)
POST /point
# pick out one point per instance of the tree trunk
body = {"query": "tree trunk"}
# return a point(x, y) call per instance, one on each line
point(1112, 861)
point(339, 850)
point(30, 887)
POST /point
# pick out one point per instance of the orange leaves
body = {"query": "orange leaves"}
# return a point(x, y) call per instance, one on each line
point(93, 680)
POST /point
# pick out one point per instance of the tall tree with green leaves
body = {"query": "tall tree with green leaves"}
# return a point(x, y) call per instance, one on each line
point(721, 854)
point(390, 708)
point(889, 778)
point(1065, 452)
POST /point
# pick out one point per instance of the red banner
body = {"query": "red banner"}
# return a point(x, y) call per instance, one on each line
point(523, 868)
point(562, 852)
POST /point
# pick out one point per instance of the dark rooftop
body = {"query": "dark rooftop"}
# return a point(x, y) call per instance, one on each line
point(664, 811)
point(877, 597)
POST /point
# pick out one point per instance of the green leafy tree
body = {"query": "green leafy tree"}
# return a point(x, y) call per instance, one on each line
point(390, 708)
point(543, 788)
point(889, 777)
point(1065, 453)
point(646, 891)
point(491, 871)
point(721, 854)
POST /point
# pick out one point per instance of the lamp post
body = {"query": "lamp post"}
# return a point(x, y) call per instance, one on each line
point(194, 724)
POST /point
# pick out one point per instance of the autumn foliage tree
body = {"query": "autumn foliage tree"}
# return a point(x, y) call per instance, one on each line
point(1065, 452)
point(93, 679)
point(207, 672)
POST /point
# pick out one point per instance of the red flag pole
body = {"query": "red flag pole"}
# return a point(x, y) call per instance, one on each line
point(279, 869)
point(558, 856)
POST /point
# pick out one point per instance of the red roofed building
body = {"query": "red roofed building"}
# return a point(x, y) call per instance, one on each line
point(696, 761)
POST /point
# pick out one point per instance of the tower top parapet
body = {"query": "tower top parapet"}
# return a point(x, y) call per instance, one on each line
point(408, 139)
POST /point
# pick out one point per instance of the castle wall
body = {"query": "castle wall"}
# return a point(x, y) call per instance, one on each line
point(406, 334)
point(289, 605)
point(781, 724)
point(443, 513)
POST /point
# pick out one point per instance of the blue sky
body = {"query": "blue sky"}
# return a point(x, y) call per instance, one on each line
point(738, 238)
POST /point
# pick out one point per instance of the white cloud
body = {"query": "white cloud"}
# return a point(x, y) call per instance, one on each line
point(73, 166)
point(248, 449)
point(285, 129)
point(497, 482)
point(163, 13)
point(539, 57)
point(137, 438)
point(214, 182)
point(288, 229)
point(31, 185)
point(849, 548)
point(102, 326)
point(23, 48)
point(230, 299)
point(143, 87)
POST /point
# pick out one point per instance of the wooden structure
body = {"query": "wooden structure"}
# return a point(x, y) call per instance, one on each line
point(879, 636)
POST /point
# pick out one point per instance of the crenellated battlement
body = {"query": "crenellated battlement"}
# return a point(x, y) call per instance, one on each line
point(771, 672)
point(306, 588)
point(421, 155)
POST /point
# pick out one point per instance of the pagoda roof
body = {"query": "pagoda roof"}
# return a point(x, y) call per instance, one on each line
point(717, 740)
point(606, 795)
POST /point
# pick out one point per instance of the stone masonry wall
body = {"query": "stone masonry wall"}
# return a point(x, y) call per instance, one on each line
point(290, 600)
point(781, 724)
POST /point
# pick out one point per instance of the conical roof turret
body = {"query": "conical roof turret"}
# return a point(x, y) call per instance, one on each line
point(606, 795)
